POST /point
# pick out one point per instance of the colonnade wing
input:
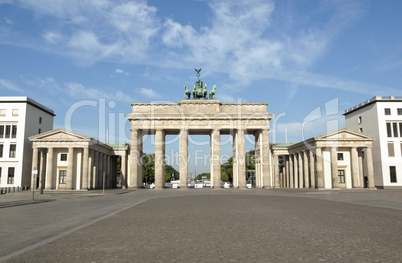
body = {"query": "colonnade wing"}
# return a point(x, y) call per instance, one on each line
point(331, 160)
point(67, 160)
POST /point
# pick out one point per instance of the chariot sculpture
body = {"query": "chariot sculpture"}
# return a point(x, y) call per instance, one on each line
point(200, 90)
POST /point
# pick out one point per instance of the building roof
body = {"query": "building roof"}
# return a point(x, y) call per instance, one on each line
point(24, 99)
point(374, 100)
point(282, 144)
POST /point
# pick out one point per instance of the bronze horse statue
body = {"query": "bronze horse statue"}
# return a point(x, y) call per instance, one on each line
point(212, 92)
point(187, 92)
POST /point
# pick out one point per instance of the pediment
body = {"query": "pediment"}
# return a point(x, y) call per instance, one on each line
point(59, 135)
point(344, 134)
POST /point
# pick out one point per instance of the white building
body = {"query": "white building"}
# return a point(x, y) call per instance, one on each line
point(20, 118)
point(381, 117)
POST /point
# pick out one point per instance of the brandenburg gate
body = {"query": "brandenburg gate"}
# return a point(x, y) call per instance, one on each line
point(208, 116)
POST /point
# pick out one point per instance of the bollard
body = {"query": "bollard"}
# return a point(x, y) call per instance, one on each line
point(41, 191)
point(9, 189)
point(18, 188)
point(13, 189)
point(25, 188)
point(1, 191)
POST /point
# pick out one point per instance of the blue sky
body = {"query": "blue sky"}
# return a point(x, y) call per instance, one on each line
point(89, 59)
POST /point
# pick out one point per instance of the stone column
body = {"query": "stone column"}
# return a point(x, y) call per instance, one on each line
point(355, 169)
point(85, 168)
point(135, 139)
point(334, 167)
point(296, 170)
point(215, 159)
point(35, 166)
point(306, 170)
point(258, 183)
point(291, 184)
point(123, 170)
point(265, 159)
point(276, 170)
point(183, 155)
point(285, 173)
point(312, 170)
point(163, 157)
point(42, 169)
point(159, 179)
point(300, 162)
point(70, 165)
point(90, 168)
point(235, 164)
point(361, 174)
point(370, 169)
point(95, 169)
point(319, 168)
point(241, 159)
point(139, 162)
point(49, 169)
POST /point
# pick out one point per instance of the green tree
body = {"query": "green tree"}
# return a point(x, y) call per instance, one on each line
point(148, 169)
point(171, 173)
point(227, 168)
point(224, 176)
point(199, 177)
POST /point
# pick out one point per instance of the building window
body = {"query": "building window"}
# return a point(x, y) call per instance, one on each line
point(40, 120)
point(10, 179)
point(392, 174)
point(8, 131)
point(340, 156)
point(395, 126)
point(15, 112)
point(1, 150)
point(359, 119)
point(387, 111)
point(63, 157)
point(62, 176)
point(360, 129)
point(389, 130)
point(13, 148)
point(2, 112)
point(341, 176)
point(14, 131)
point(391, 150)
point(400, 129)
point(1, 131)
point(39, 131)
point(399, 111)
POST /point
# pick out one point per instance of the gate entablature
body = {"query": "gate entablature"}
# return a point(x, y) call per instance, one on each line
point(199, 114)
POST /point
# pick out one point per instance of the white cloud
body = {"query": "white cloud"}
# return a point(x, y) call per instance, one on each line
point(120, 71)
point(79, 91)
point(149, 93)
point(8, 21)
point(9, 85)
point(53, 37)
